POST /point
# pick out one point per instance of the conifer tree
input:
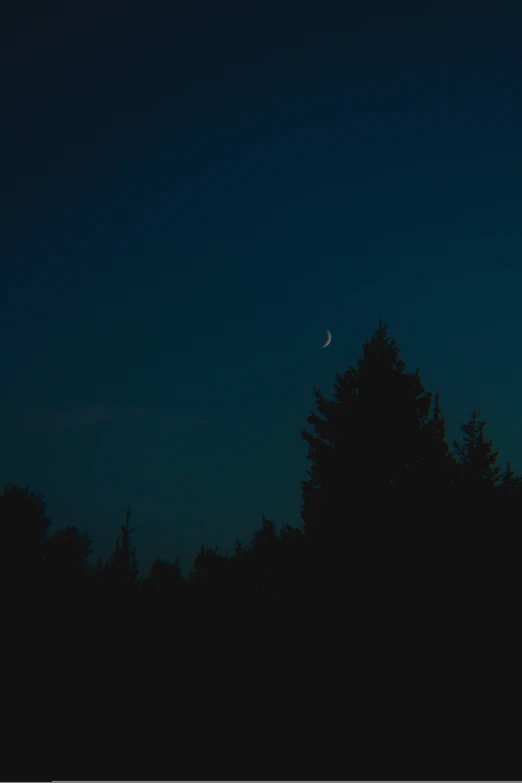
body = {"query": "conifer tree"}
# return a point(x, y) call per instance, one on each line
point(433, 475)
point(367, 440)
point(510, 480)
point(23, 529)
point(120, 573)
point(475, 456)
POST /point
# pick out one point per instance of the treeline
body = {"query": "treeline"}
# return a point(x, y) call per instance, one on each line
point(402, 585)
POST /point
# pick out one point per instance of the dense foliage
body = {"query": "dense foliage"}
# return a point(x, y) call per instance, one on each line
point(398, 593)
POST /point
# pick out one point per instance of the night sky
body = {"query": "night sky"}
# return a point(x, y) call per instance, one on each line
point(193, 193)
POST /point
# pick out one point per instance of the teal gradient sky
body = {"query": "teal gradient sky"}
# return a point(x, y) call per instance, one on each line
point(190, 199)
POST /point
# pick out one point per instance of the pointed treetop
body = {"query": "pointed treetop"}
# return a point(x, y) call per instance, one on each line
point(510, 479)
point(476, 455)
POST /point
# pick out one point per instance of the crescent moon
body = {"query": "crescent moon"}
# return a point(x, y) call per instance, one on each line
point(328, 339)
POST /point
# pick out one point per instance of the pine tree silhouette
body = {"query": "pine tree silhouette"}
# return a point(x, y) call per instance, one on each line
point(23, 531)
point(367, 441)
point(475, 456)
point(120, 573)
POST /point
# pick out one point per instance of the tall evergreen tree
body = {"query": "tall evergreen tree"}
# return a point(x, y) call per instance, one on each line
point(367, 440)
point(433, 475)
point(510, 500)
point(485, 540)
point(511, 480)
point(23, 520)
point(23, 534)
point(476, 456)
point(120, 573)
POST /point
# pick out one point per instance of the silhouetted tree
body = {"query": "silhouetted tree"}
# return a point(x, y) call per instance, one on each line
point(23, 519)
point(205, 567)
point(23, 530)
point(478, 477)
point(120, 573)
point(433, 474)
point(368, 439)
point(475, 456)
point(264, 539)
point(407, 570)
point(511, 483)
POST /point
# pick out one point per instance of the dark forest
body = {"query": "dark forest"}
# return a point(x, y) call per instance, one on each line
point(377, 640)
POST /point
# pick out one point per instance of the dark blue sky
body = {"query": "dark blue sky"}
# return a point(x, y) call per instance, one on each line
point(190, 198)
